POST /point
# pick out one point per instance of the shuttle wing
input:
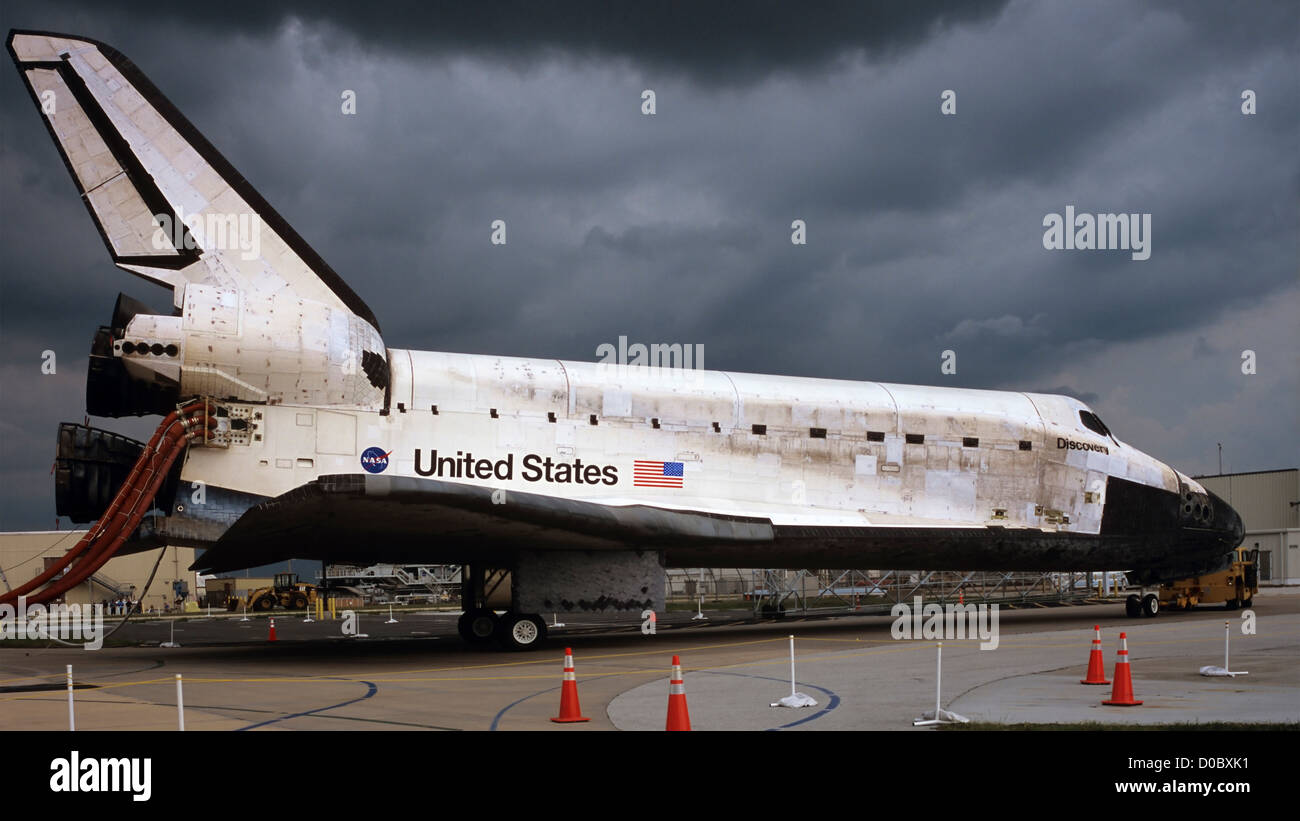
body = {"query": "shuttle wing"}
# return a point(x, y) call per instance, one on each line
point(169, 207)
point(398, 518)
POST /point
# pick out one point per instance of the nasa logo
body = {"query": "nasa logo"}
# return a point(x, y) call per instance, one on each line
point(374, 460)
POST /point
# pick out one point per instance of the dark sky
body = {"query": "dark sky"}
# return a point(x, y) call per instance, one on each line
point(924, 231)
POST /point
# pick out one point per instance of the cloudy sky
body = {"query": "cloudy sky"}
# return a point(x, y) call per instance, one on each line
point(925, 231)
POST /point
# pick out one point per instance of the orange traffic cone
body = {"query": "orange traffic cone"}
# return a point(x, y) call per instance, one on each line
point(1096, 664)
point(678, 717)
point(271, 636)
point(570, 712)
point(1122, 694)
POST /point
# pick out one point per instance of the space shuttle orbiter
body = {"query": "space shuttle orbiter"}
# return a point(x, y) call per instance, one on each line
point(308, 437)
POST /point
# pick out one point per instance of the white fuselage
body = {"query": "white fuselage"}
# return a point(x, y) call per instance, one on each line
point(829, 452)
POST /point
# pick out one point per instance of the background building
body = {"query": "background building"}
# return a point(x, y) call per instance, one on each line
point(25, 555)
point(1269, 504)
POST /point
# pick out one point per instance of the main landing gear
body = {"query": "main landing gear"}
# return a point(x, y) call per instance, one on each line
point(513, 631)
point(480, 624)
point(477, 625)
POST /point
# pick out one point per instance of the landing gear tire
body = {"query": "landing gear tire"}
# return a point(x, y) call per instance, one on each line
point(520, 632)
point(1151, 605)
point(477, 626)
point(1133, 607)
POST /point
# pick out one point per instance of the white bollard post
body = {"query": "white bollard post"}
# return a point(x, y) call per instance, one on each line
point(172, 641)
point(1225, 670)
point(1227, 633)
point(180, 703)
point(940, 715)
point(72, 718)
point(938, 680)
point(795, 699)
point(699, 590)
point(792, 665)
point(391, 620)
point(245, 609)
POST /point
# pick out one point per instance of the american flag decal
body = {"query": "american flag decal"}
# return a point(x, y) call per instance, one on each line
point(657, 474)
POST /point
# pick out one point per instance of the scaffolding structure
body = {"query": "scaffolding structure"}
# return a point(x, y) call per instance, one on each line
point(776, 591)
point(397, 584)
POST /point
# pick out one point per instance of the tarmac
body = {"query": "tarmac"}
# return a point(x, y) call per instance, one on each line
point(418, 675)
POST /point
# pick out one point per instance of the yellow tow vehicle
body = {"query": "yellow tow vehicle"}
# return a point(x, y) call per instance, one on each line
point(1233, 587)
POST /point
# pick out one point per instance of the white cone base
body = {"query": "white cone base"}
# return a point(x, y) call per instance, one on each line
point(796, 700)
point(1211, 670)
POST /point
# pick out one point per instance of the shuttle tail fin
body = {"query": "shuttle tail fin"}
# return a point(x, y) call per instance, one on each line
point(168, 206)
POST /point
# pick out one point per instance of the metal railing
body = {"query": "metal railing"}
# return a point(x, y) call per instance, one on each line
point(804, 590)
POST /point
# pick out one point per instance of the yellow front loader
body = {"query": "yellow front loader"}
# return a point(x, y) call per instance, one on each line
point(287, 593)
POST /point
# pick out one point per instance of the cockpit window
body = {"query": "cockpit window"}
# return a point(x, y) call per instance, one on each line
point(1093, 423)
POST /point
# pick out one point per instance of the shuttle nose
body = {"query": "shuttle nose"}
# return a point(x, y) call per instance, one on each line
point(1227, 521)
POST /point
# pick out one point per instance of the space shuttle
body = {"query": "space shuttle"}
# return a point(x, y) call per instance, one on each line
point(291, 430)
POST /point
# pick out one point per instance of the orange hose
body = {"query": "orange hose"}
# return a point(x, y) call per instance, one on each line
point(97, 529)
point(107, 535)
point(118, 534)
